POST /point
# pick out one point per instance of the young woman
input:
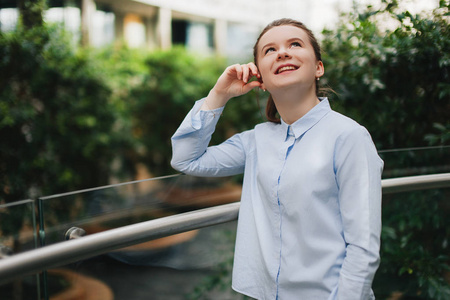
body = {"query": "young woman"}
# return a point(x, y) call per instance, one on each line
point(310, 217)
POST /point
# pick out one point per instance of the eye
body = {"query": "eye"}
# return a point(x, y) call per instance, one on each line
point(269, 50)
point(295, 44)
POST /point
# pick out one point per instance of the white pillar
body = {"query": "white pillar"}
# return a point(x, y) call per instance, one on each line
point(88, 8)
point(220, 36)
point(164, 28)
point(150, 32)
point(118, 25)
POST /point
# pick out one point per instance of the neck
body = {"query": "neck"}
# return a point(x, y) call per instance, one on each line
point(292, 104)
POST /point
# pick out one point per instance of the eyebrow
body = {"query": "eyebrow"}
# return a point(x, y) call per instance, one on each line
point(289, 40)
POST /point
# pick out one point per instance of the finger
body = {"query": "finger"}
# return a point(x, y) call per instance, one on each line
point(245, 73)
point(251, 85)
point(254, 70)
point(238, 69)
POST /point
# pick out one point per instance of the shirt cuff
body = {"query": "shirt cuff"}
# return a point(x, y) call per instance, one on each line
point(200, 117)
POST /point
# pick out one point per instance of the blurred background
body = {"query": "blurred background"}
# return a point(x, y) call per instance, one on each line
point(91, 92)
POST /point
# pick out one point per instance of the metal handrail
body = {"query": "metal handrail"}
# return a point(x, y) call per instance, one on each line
point(414, 183)
point(99, 243)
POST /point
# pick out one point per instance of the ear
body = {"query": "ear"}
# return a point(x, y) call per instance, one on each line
point(320, 69)
point(262, 83)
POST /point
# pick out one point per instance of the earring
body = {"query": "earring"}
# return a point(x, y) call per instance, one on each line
point(318, 78)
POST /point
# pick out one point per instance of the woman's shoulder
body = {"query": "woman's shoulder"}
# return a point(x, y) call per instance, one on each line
point(343, 123)
point(343, 127)
point(343, 120)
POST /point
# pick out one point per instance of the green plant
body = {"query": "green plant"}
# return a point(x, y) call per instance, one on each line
point(415, 246)
point(395, 81)
point(56, 118)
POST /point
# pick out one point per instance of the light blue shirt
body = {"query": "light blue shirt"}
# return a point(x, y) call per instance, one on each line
point(310, 217)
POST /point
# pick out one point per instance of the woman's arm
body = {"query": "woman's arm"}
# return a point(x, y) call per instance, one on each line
point(358, 175)
point(191, 154)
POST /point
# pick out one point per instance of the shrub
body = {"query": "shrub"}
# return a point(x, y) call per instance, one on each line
point(56, 120)
point(396, 81)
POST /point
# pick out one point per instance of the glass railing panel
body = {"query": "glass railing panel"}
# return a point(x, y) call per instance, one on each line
point(415, 246)
point(415, 161)
point(192, 265)
point(114, 206)
point(18, 234)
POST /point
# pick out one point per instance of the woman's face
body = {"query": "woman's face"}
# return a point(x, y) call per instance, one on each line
point(286, 57)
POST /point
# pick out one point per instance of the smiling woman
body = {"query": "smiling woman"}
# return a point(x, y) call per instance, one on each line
point(310, 215)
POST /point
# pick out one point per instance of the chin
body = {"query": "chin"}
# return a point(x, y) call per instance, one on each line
point(286, 82)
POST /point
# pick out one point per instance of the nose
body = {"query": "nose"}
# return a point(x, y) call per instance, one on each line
point(283, 53)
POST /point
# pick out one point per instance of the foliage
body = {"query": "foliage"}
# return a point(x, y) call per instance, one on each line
point(123, 70)
point(441, 137)
point(56, 120)
point(174, 80)
point(31, 12)
point(67, 114)
point(402, 75)
point(415, 245)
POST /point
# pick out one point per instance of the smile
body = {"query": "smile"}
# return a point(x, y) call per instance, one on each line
point(286, 68)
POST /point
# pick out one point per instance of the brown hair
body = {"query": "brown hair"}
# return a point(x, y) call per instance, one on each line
point(271, 109)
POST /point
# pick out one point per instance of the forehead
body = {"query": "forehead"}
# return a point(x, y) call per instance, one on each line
point(282, 33)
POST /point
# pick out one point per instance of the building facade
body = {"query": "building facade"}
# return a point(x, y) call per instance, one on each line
point(225, 27)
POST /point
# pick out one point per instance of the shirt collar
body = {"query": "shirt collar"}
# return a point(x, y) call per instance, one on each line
point(312, 117)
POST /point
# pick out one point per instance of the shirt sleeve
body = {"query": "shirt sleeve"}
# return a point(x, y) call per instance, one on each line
point(191, 154)
point(358, 174)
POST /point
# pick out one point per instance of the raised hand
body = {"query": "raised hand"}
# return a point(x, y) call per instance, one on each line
point(233, 82)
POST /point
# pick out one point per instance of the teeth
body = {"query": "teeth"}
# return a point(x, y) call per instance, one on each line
point(287, 68)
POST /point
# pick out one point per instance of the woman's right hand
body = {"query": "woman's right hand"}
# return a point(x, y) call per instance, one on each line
point(233, 82)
